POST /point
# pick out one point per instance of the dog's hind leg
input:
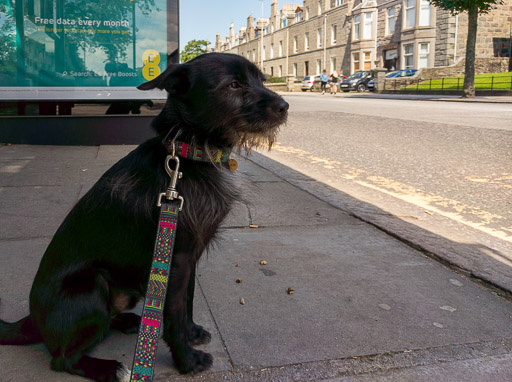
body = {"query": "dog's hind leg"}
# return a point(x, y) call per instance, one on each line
point(196, 334)
point(186, 358)
point(78, 320)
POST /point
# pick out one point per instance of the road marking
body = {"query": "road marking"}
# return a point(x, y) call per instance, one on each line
point(471, 216)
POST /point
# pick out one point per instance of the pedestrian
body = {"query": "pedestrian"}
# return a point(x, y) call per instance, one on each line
point(324, 78)
point(334, 81)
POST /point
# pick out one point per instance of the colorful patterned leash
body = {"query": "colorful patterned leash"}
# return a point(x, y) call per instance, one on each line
point(152, 312)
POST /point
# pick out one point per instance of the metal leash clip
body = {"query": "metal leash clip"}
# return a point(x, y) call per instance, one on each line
point(171, 192)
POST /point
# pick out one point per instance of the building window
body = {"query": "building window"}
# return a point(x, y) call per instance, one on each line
point(424, 13)
point(271, 50)
point(319, 7)
point(334, 34)
point(367, 56)
point(390, 25)
point(284, 22)
point(272, 71)
point(280, 70)
point(339, 2)
point(295, 70)
point(410, 13)
point(254, 55)
point(280, 48)
point(307, 13)
point(333, 65)
point(295, 44)
point(318, 67)
point(306, 68)
point(298, 16)
point(319, 38)
point(408, 56)
point(357, 27)
point(355, 61)
point(264, 55)
point(306, 41)
point(368, 26)
point(423, 54)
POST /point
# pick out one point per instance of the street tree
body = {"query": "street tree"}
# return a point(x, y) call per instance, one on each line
point(193, 49)
point(474, 8)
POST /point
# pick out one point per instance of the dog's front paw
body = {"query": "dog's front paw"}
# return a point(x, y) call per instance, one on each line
point(194, 362)
point(197, 335)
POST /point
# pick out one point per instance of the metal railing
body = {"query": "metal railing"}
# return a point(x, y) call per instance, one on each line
point(493, 83)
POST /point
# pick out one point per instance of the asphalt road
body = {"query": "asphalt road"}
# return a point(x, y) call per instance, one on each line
point(443, 166)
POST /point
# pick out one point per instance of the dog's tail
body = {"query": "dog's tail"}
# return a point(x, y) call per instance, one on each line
point(22, 332)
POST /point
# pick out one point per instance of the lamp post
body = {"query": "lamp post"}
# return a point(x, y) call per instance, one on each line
point(261, 36)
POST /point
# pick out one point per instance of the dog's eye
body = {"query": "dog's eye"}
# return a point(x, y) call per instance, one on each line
point(234, 85)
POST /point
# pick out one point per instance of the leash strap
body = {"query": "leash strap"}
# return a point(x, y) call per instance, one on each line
point(153, 310)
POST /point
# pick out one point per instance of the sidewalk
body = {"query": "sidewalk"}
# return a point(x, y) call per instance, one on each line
point(365, 307)
point(413, 97)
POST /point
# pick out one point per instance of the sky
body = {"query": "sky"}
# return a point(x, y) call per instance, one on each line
point(202, 19)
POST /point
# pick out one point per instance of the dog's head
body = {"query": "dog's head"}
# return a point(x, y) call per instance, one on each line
point(219, 99)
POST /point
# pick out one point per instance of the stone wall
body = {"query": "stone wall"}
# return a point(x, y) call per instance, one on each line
point(482, 66)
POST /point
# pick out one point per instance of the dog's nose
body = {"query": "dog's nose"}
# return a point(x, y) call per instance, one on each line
point(281, 106)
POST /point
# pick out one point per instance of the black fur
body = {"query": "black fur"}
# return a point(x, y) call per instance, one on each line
point(98, 261)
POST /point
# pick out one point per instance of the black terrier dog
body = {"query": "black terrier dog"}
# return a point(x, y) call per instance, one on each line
point(98, 263)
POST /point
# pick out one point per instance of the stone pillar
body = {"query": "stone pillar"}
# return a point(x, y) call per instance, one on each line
point(380, 78)
point(290, 83)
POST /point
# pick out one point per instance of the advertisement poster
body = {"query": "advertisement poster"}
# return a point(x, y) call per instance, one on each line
point(84, 49)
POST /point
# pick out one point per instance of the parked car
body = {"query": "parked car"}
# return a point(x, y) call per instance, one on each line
point(308, 83)
point(357, 81)
point(402, 73)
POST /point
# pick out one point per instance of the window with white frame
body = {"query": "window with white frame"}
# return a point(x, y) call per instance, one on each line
point(355, 61)
point(295, 70)
point(306, 41)
point(280, 73)
point(264, 53)
point(339, 2)
point(295, 44)
point(319, 38)
point(357, 27)
point(333, 65)
point(334, 34)
point(408, 56)
point(423, 54)
point(319, 7)
point(368, 26)
point(410, 13)
point(307, 13)
point(318, 67)
point(298, 16)
point(280, 49)
point(284, 22)
point(424, 13)
point(271, 50)
point(391, 21)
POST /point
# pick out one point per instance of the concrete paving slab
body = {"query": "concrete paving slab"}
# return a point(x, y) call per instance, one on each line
point(45, 165)
point(357, 292)
point(281, 204)
point(34, 211)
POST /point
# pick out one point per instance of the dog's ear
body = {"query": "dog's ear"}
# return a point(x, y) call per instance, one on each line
point(174, 80)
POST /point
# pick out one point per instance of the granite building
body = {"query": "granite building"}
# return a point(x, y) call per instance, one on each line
point(351, 35)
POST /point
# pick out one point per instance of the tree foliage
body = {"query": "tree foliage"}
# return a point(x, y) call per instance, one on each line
point(193, 49)
point(459, 6)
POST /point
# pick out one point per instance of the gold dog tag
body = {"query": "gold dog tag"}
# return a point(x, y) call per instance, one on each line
point(233, 164)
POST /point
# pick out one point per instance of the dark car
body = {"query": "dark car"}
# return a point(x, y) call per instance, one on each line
point(357, 81)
